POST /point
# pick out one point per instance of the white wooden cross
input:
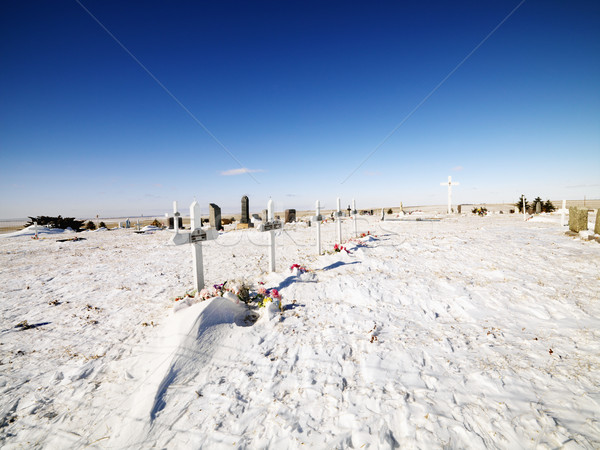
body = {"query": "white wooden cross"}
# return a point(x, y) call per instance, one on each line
point(339, 220)
point(195, 237)
point(271, 225)
point(450, 184)
point(354, 217)
point(317, 219)
point(175, 217)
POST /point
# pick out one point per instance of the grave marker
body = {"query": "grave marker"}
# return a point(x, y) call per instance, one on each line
point(215, 216)
point(195, 237)
point(175, 217)
point(245, 219)
point(450, 184)
point(562, 213)
point(578, 219)
point(271, 225)
point(318, 218)
point(538, 207)
point(245, 210)
point(338, 215)
point(354, 218)
point(290, 215)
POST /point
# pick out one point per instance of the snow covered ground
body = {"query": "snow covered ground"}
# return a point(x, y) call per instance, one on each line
point(469, 332)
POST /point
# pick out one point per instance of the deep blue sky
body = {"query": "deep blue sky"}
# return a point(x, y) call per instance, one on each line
point(299, 93)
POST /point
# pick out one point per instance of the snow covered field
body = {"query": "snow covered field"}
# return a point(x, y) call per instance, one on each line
point(470, 332)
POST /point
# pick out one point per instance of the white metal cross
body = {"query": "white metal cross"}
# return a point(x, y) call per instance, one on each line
point(195, 237)
point(271, 225)
point(317, 219)
point(338, 213)
point(450, 184)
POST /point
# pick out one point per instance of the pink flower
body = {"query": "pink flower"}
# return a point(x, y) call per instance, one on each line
point(262, 291)
point(275, 294)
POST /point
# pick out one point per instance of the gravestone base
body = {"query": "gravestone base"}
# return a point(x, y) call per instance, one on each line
point(244, 226)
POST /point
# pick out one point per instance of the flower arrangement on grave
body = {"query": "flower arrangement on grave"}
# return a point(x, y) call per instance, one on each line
point(357, 242)
point(481, 211)
point(269, 296)
point(338, 248)
point(263, 297)
point(298, 269)
point(188, 295)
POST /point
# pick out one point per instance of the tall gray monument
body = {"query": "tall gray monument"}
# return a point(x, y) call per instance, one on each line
point(245, 210)
point(215, 216)
point(245, 220)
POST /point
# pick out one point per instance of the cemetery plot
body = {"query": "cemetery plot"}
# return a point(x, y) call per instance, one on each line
point(455, 334)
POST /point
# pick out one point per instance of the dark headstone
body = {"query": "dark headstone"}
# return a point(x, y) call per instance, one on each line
point(265, 215)
point(578, 219)
point(290, 215)
point(172, 222)
point(215, 216)
point(245, 210)
point(459, 208)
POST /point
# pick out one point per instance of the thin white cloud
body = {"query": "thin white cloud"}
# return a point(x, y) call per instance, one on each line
point(457, 168)
point(240, 171)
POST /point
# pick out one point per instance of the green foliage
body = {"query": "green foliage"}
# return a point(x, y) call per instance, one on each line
point(389, 211)
point(102, 225)
point(56, 222)
point(519, 204)
point(157, 224)
point(548, 207)
point(535, 202)
point(90, 225)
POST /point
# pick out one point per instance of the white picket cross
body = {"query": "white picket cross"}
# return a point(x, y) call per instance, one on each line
point(176, 217)
point(271, 225)
point(195, 237)
point(339, 220)
point(317, 219)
